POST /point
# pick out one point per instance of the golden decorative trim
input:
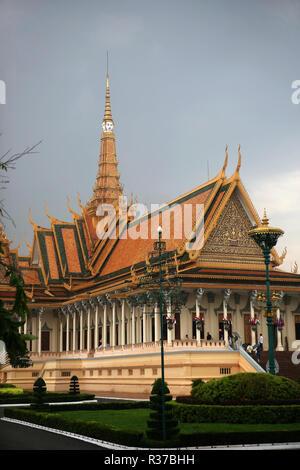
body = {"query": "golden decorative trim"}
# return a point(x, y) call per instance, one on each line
point(55, 221)
point(74, 214)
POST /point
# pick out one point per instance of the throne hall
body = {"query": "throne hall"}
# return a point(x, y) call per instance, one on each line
point(95, 302)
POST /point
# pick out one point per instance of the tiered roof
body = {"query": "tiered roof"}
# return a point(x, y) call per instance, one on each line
point(67, 261)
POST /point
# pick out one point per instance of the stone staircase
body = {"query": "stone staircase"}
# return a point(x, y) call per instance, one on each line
point(286, 366)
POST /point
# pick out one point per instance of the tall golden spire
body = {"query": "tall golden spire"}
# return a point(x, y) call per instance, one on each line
point(107, 112)
point(107, 123)
point(107, 189)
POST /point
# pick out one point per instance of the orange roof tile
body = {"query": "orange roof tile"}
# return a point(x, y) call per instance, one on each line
point(52, 260)
point(130, 250)
point(71, 250)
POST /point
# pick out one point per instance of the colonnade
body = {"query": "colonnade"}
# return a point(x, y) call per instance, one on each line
point(115, 320)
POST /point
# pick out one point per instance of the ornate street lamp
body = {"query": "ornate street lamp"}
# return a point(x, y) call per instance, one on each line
point(163, 408)
point(266, 238)
point(161, 272)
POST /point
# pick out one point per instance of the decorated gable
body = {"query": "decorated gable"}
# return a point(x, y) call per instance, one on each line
point(229, 241)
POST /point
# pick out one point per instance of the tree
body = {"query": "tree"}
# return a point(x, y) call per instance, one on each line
point(74, 385)
point(154, 430)
point(39, 393)
point(12, 319)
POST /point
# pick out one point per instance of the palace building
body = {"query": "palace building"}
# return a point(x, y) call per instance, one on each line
point(95, 301)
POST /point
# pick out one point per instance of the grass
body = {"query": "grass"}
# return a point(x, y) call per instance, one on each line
point(11, 391)
point(137, 420)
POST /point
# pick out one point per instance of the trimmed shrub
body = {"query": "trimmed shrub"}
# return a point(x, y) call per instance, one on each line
point(155, 421)
point(39, 393)
point(74, 385)
point(246, 386)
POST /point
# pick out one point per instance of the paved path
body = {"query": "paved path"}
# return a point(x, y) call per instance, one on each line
point(18, 437)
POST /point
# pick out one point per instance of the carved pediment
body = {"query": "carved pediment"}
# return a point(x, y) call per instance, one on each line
point(229, 240)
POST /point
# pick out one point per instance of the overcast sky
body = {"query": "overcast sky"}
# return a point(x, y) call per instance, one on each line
point(187, 78)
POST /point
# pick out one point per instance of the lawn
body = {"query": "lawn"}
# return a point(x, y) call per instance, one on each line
point(11, 391)
point(137, 420)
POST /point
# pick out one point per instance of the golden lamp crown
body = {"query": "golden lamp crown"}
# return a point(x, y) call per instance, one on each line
point(261, 302)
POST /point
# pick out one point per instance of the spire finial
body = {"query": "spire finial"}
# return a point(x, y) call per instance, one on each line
point(107, 123)
point(265, 220)
point(107, 64)
point(240, 158)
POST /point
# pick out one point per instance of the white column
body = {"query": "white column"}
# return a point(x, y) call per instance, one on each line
point(61, 333)
point(74, 331)
point(198, 332)
point(123, 323)
point(40, 313)
point(199, 294)
point(34, 323)
point(78, 310)
point(225, 303)
point(252, 315)
point(114, 323)
point(144, 324)
point(25, 324)
point(279, 338)
point(104, 333)
point(88, 329)
point(25, 329)
point(67, 331)
point(133, 325)
point(138, 325)
point(96, 331)
point(81, 330)
point(225, 317)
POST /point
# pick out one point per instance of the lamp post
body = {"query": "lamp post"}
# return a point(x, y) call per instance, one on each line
point(266, 238)
point(163, 408)
point(161, 272)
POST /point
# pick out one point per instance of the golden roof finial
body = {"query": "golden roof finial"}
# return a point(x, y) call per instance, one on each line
point(239, 161)
point(225, 162)
point(283, 255)
point(295, 268)
point(74, 214)
point(236, 174)
point(265, 220)
point(80, 204)
point(28, 245)
point(107, 112)
point(35, 226)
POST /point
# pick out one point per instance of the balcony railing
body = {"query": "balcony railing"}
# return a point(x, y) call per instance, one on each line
point(147, 347)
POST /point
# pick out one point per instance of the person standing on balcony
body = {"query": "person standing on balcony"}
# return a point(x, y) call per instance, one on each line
point(261, 341)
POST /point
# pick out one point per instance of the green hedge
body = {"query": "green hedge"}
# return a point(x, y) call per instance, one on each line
point(189, 400)
point(90, 428)
point(52, 397)
point(247, 414)
point(9, 391)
